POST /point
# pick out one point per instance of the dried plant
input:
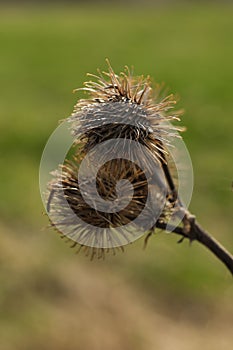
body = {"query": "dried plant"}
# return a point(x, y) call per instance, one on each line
point(123, 108)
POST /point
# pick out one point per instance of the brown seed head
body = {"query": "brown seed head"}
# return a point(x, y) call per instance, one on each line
point(119, 108)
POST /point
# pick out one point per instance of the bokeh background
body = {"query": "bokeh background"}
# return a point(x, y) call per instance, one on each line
point(168, 296)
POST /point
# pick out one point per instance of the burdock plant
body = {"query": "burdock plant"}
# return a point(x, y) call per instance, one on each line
point(122, 135)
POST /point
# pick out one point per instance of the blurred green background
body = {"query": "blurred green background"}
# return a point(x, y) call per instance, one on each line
point(169, 296)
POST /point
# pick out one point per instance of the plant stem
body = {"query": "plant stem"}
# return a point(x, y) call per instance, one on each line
point(191, 229)
point(197, 233)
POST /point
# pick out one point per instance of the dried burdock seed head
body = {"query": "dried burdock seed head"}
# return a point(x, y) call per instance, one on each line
point(121, 182)
point(124, 107)
point(118, 185)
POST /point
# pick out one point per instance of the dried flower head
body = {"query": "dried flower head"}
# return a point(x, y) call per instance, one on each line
point(122, 133)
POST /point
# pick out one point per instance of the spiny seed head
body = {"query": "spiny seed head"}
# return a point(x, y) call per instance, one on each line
point(118, 108)
point(124, 107)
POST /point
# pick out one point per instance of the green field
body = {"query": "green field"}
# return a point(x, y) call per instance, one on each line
point(159, 298)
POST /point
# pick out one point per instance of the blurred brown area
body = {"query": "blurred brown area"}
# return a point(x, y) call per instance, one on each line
point(52, 300)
